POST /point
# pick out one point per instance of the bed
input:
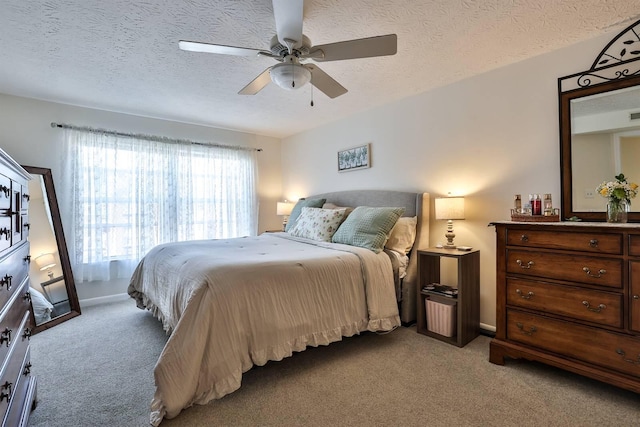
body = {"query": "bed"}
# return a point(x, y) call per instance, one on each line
point(233, 303)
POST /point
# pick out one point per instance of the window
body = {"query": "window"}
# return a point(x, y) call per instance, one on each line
point(129, 194)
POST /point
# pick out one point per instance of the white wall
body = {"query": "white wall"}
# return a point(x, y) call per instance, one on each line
point(26, 135)
point(487, 138)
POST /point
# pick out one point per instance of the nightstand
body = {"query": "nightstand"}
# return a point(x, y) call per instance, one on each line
point(467, 304)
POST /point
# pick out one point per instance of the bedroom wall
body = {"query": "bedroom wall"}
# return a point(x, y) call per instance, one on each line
point(27, 136)
point(486, 138)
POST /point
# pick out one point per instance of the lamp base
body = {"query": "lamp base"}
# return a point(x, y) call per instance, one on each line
point(449, 246)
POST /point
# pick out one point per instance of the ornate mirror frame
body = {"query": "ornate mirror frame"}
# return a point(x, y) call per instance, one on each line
point(65, 263)
point(616, 67)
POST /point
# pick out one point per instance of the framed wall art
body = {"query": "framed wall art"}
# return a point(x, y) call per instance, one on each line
point(354, 158)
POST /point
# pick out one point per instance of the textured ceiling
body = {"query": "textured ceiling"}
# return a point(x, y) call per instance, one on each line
point(122, 55)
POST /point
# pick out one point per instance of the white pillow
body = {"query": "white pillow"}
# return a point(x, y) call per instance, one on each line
point(402, 235)
point(42, 308)
point(317, 224)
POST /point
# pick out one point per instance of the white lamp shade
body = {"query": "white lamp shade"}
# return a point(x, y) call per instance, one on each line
point(450, 208)
point(45, 261)
point(285, 74)
point(284, 208)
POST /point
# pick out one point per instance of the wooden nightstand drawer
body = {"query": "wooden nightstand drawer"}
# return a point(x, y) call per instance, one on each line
point(574, 268)
point(608, 349)
point(584, 242)
point(579, 303)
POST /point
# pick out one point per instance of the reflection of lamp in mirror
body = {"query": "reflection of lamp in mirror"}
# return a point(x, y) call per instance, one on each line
point(284, 209)
point(450, 208)
point(46, 262)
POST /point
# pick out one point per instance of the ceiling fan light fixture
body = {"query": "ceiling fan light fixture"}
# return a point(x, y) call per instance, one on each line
point(285, 74)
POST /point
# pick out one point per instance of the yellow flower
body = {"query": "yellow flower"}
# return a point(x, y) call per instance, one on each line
point(633, 185)
point(603, 192)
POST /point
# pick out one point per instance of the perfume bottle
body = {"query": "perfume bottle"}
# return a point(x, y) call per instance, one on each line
point(536, 205)
point(517, 204)
point(548, 205)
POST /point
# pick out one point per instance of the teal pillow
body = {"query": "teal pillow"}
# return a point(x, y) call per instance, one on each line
point(302, 203)
point(367, 227)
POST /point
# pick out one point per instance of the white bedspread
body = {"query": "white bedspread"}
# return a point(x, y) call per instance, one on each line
point(230, 304)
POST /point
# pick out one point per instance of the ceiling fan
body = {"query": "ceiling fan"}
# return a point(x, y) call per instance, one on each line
point(291, 48)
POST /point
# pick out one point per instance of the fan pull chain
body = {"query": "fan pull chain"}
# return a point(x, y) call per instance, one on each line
point(293, 82)
point(311, 83)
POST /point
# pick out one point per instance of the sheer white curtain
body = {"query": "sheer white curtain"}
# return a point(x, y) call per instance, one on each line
point(126, 195)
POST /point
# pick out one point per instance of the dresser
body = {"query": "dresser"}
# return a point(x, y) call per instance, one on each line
point(17, 384)
point(568, 295)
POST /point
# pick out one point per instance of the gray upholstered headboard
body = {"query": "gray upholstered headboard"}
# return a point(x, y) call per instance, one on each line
point(415, 204)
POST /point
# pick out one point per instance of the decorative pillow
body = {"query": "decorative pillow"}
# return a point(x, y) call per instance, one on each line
point(402, 235)
point(295, 212)
point(42, 308)
point(329, 205)
point(368, 227)
point(318, 224)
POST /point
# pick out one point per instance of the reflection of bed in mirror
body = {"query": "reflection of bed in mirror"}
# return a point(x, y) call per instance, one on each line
point(54, 297)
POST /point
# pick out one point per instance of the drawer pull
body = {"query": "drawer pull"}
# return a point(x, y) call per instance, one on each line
point(593, 243)
point(4, 395)
point(622, 353)
point(527, 296)
point(27, 369)
point(524, 238)
point(527, 266)
point(5, 336)
point(27, 225)
point(529, 332)
point(26, 197)
point(6, 190)
point(597, 276)
point(6, 280)
point(6, 232)
point(597, 309)
point(27, 296)
point(636, 297)
point(26, 334)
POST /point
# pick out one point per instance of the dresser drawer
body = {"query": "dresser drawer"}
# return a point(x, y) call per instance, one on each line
point(22, 400)
point(583, 242)
point(14, 321)
point(13, 370)
point(575, 268)
point(579, 303)
point(599, 347)
point(13, 270)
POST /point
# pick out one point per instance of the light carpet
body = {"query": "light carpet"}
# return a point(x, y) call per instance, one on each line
point(97, 370)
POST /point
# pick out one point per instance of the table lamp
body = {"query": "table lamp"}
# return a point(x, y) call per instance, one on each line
point(450, 208)
point(46, 262)
point(284, 209)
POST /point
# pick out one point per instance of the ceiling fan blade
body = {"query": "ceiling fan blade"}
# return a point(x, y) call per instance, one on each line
point(352, 49)
point(257, 84)
point(288, 15)
point(324, 82)
point(221, 49)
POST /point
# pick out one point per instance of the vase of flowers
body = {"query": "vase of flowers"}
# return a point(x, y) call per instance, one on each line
point(619, 194)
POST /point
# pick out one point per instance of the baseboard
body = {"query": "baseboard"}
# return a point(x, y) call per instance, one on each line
point(103, 300)
point(487, 330)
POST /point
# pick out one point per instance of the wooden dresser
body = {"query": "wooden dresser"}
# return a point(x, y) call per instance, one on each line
point(17, 385)
point(568, 294)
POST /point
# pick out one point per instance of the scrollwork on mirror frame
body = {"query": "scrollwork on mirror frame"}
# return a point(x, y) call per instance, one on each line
point(618, 60)
point(616, 67)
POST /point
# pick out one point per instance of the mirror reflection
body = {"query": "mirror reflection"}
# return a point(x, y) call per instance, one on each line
point(53, 294)
point(605, 141)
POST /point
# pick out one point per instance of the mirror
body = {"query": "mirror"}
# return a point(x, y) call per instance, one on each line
point(54, 296)
point(600, 128)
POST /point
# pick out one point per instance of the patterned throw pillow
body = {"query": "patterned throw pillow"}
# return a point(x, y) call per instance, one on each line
point(368, 227)
point(295, 212)
point(318, 224)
